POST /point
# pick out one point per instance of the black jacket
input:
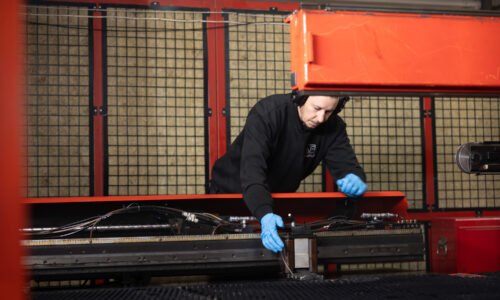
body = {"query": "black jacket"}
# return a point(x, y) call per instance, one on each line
point(274, 152)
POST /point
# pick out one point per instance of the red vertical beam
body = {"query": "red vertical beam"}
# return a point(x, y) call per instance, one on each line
point(216, 86)
point(98, 104)
point(220, 38)
point(11, 214)
point(329, 184)
point(430, 186)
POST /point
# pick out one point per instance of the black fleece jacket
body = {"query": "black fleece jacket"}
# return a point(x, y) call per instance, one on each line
point(275, 151)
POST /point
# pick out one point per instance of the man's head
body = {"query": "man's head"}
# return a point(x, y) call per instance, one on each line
point(316, 110)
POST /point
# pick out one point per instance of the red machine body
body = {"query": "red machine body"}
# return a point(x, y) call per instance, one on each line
point(336, 51)
point(304, 207)
point(394, 52)
point(465, 245)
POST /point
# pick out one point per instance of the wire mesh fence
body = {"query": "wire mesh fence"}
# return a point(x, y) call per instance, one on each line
point(258, 66)
point(386, 135)
point(156, 105)
point(156, 101)
point(459, 121)
point(57, 102)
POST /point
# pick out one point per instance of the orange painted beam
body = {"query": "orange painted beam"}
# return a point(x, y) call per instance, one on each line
point(315, 195)
point(375, 51)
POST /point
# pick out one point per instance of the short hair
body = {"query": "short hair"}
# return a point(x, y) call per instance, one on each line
point(299, 100)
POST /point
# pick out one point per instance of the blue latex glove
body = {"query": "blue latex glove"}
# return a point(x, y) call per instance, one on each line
point(352, 185)
point(270, 238)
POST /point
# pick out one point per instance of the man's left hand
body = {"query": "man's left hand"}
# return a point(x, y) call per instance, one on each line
point(352, 185)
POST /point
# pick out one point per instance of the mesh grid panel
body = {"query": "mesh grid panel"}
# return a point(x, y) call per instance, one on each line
point(356, 287)
point(259, 66)
point(386, 135)
point(57, 113)
point(156, 102)
point(459, 121)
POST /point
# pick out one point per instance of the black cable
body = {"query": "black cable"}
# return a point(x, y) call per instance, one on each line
point(90, 223)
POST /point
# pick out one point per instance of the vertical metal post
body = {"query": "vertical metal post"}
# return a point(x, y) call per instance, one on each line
point(11, 102)
point(429, 180)
point(98, 105)
point(216, 86)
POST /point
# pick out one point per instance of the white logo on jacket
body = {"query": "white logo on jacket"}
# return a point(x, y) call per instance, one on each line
point(311, 151)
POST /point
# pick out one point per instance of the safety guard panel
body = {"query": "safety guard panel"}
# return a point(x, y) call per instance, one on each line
point(401, 52)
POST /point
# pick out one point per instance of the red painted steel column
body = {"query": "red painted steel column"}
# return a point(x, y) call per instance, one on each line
point(216, 86)
point(98, 104)
point(329, 182)
point(12, 281)
point(430, 182)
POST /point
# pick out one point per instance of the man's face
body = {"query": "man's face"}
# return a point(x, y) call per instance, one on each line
point(317, 109)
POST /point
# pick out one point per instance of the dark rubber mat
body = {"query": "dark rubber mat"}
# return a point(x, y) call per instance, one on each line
point(373, 287)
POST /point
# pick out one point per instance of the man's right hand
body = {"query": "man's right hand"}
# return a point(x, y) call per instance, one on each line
point(270, 238)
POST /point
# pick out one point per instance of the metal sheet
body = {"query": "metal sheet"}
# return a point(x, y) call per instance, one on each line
point(370, 51)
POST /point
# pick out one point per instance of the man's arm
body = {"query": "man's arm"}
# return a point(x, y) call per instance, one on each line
point(343, 164)
point(256, 152)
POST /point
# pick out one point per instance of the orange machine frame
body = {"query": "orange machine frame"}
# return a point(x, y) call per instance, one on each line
point(394, 52)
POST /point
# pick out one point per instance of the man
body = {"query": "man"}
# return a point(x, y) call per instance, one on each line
point(284, 139)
